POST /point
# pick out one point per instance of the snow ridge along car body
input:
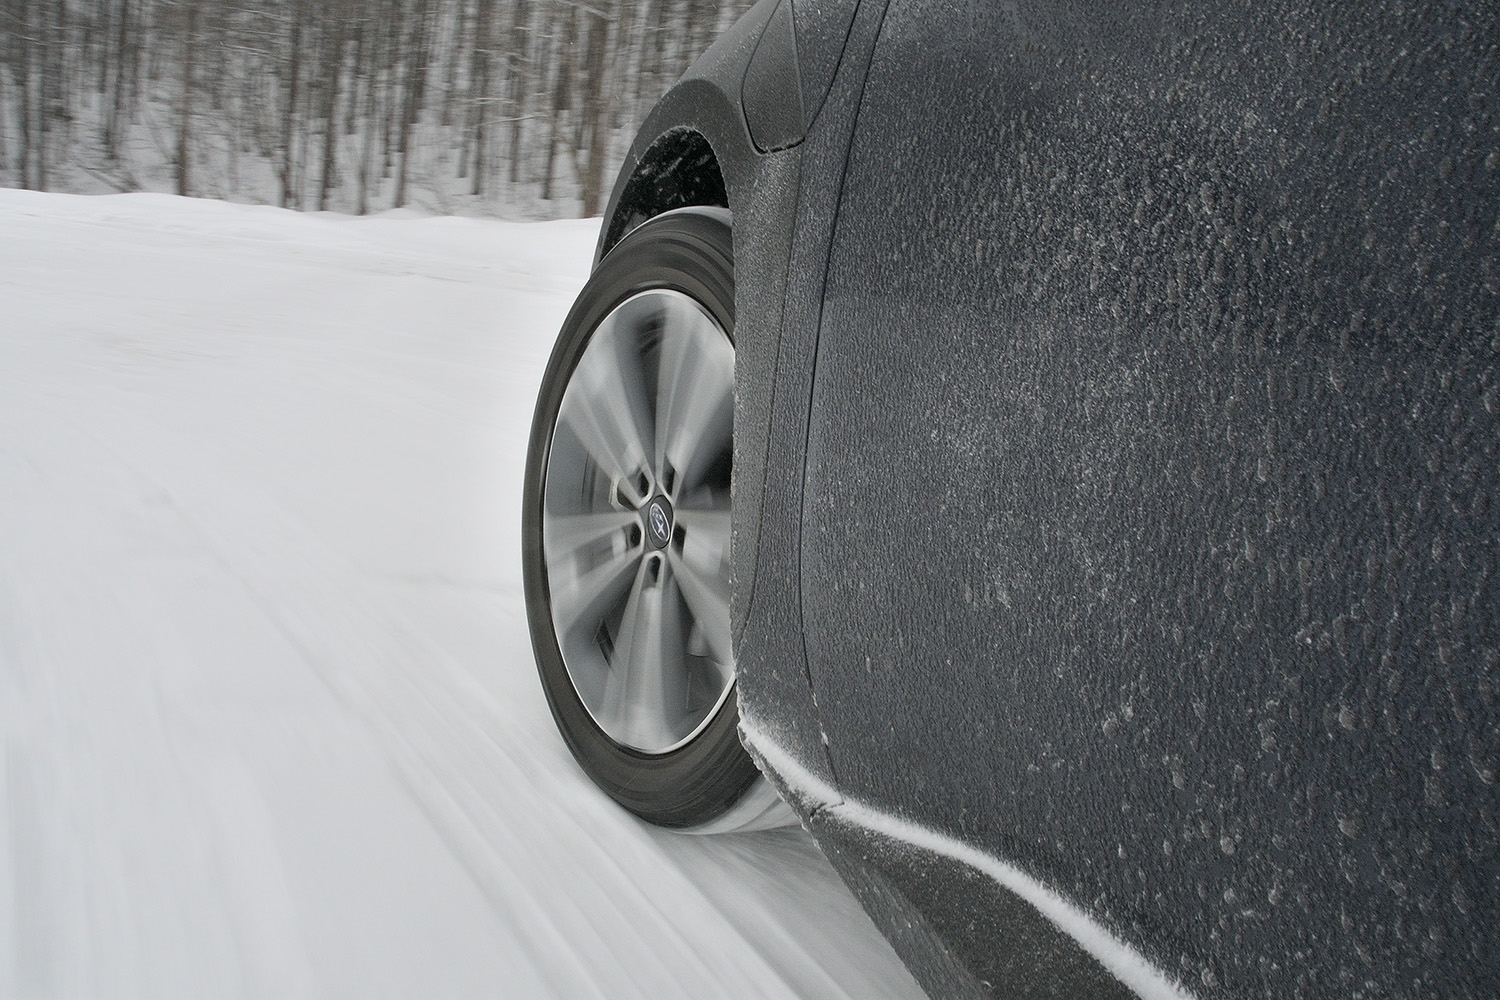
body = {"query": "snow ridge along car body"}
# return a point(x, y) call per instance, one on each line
point(1109, 580)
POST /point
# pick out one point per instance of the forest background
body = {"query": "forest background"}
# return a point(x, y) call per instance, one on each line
point(517, 108)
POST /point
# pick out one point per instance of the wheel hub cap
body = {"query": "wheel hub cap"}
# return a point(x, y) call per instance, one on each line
point(659, 522)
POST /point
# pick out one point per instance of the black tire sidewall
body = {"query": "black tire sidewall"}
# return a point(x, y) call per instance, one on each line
point(690, 252)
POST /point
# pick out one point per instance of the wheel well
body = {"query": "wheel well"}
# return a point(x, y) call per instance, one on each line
point(677, 170)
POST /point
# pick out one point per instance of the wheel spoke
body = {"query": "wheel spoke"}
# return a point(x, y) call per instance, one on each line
point(606, 406)
point(710, 526)
point(709, 602)
point(645, 695)
point(695, 393)
point(583, 594)
point(575, 536)
point(701, 568)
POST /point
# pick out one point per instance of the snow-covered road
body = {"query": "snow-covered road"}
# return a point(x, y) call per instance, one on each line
point(269, 720)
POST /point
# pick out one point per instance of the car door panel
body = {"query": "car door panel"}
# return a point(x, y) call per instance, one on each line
point(1148, 468)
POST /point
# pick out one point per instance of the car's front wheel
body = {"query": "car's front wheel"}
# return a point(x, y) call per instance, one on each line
point(626, 524)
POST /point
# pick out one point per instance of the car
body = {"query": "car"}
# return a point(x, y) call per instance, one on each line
point(1054, 448)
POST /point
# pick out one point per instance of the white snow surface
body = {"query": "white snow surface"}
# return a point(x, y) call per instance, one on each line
point(269, 718)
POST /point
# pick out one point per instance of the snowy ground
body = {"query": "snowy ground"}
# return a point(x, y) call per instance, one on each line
point(269, 721)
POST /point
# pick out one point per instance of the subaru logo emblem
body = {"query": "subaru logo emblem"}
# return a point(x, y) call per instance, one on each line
point(661, 524)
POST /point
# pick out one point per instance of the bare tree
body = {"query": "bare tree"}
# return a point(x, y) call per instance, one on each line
point(189, 43)
point(595, 117)
point(334, 30)
point(289, 114)
point(414, 84)
point(339, 104)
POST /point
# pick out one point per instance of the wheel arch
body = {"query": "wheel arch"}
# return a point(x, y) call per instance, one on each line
point(695, 148)
point(678, 170)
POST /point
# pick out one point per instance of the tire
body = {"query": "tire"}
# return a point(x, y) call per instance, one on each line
point(625, 526)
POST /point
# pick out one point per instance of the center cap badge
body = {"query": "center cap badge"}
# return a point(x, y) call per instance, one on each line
point(659, 522)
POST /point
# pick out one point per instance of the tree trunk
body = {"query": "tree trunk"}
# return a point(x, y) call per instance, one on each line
point(455, 57)
point(59, 110)
point(415, 86)
point(117, 99)
point(185, 119)
point(288, 135)
point(5, 56)
point(375, 58)
point(596, 116)
point(23, 106)
point(331, 72)
point(355, 74)
point(391, 106)
point(362, 205)
point(479, 92)
point(43, 63)
point(515, 87)
point(106, 15)
point(559, 101)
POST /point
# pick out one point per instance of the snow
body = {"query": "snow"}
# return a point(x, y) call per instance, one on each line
point(269, 719)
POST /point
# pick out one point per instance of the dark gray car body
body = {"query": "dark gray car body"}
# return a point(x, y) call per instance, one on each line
point(1118, 408)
